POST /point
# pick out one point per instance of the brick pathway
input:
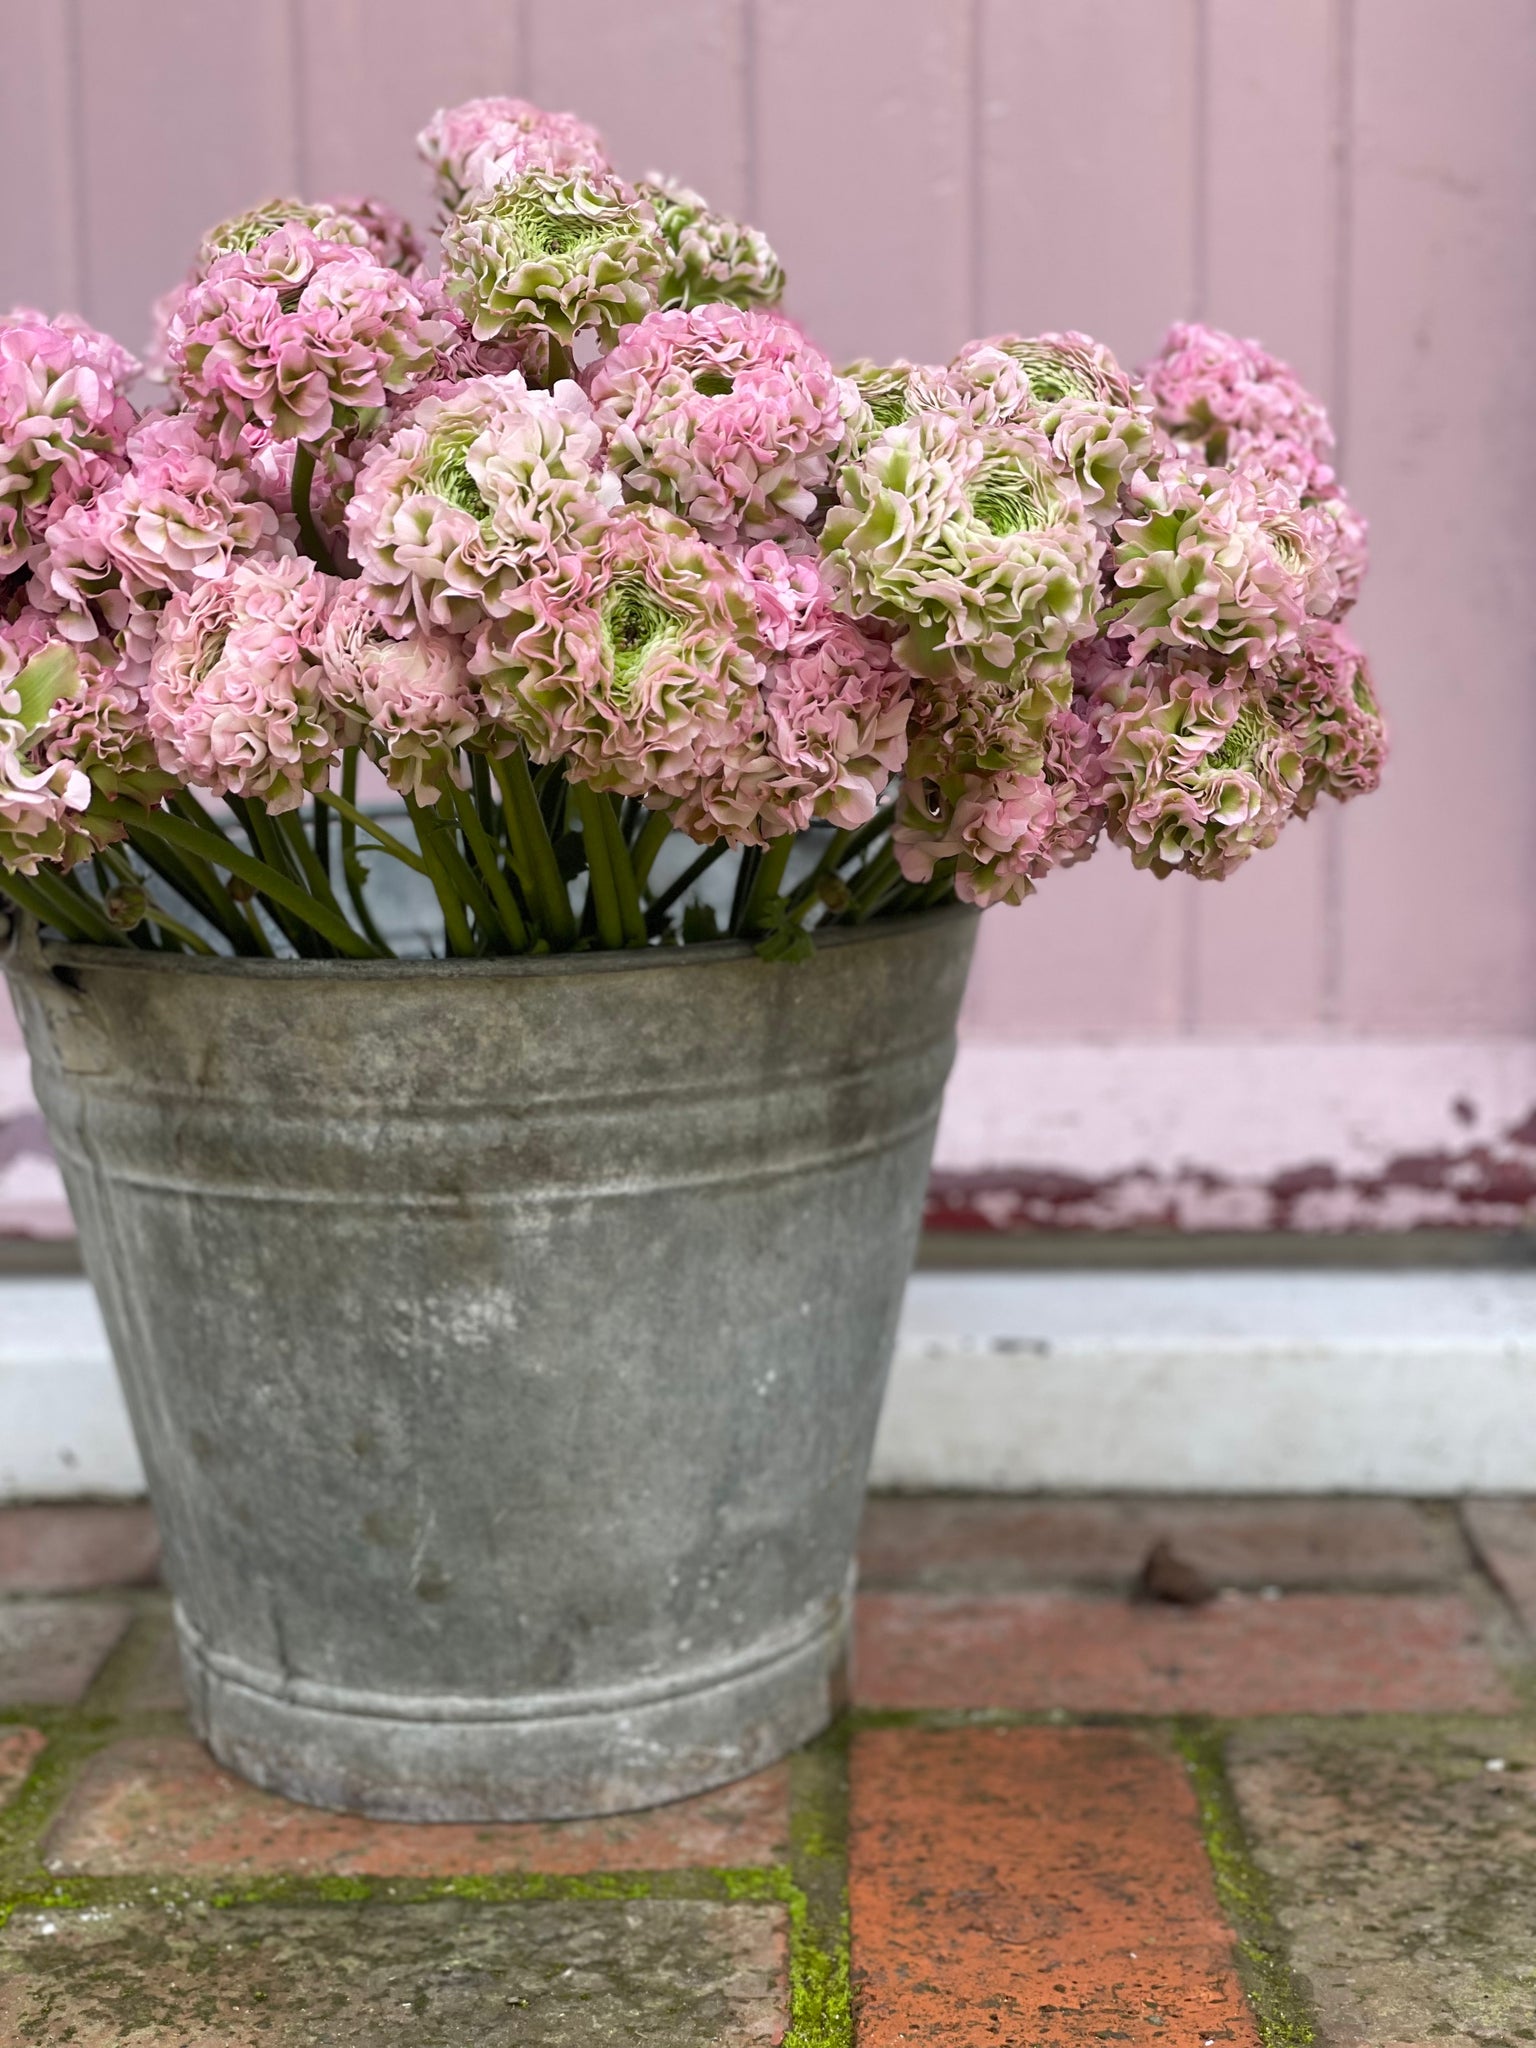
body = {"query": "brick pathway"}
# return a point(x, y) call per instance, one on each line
point(1300, 1808)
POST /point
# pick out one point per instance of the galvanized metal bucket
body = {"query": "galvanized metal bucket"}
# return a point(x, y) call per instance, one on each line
point(504, 1340)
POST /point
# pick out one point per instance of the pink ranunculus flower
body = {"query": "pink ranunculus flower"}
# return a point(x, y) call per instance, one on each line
point(1227, 401)
point(1097, 419)
point(1323, 695)
point(1199, 772)
point(482, 488)
point(1212, 561)
point(973, 544)
point(176, 517)
point(409, 691)
point(41, 798)
point(569, 252)
point(635, 671)
point(729, 417)
point(1004, 821)
point(488, 142)
point(63, 421)
point(102, 728)
point(297, 336)
point(391, 238)
point(823, 733)
point(712, 258)
point(237, 702)
point(371, 225)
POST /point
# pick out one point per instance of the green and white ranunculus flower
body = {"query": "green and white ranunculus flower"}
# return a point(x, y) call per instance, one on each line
point(485, 485)
point(562, 251)
point(973, 542)
point(1098, 422)
point(711, 258)
point(893, 393)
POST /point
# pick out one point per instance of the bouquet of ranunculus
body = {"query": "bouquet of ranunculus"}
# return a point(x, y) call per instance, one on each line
point(580, 545)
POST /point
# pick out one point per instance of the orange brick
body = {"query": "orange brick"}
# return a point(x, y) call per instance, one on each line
point(1309, 1653)
point(161, 1803)
point(19, 1750)
point(70, 1547)
point(1505, 1534)
point(1040, 1886)
point(948, 1543)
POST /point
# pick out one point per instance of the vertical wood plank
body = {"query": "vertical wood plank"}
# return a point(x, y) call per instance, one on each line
point(1096, 954)
point(1088, 216)
point(665, 81)
point(366, 89)
point(1438, 869)
point(39, 228)
point(1259, 953)
point(863, 114)
point(1088, 210)
point(183, 117)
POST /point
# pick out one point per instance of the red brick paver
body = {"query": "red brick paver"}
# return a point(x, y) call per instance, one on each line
point(949, 1544)
point(19, 1750)
point(1344, 1653)
point(72, 1549)
point(1033, 1885)
point(50, 1650)
point(161, 1803)
point(1505, 1534)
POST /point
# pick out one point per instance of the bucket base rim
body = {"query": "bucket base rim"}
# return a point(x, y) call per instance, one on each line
point(523, 1767)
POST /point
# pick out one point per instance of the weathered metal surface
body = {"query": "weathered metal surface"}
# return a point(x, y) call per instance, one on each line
point(504, 1340)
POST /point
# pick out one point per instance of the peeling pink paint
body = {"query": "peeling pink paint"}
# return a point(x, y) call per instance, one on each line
point(1483, 1187)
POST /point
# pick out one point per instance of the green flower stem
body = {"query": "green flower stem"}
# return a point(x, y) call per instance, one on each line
point(429, 839)
point(746, 877)
point(626, 888)
point(196, 883)
point(533, 852)
point(649, 841)
point(24, 893)
point(163, 921)
point(70, 900)
point(843, 847)
point(306, 859)
point(353, 873)
point(303, 512)
point(767, 882)
point(478, 840)
point(656, 916)
point(590, 809)
point(212, 847)
point(806, 892)
point(485, 802)
point(876, 881)
point(321, 826)
point(272, 846)
point(354, 819)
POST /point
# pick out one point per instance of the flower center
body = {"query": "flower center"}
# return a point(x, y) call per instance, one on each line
point(209, 654)
point(1007, 498)
point(1057, 374)
point(634, 620)
point(538, 230)
point(448, 477)
point(1249, 730)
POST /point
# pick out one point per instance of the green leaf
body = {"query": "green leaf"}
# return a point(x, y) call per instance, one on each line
point(52, 673)
point(785, 939)
point(700, 924)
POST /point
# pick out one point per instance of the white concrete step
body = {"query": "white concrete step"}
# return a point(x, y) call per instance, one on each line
point(1231, 1382)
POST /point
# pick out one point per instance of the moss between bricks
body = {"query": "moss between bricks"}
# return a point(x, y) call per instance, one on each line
point(812, 1889)
point(1285, 2019)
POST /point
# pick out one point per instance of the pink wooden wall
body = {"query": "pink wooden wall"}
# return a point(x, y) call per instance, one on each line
point(1351, 179)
